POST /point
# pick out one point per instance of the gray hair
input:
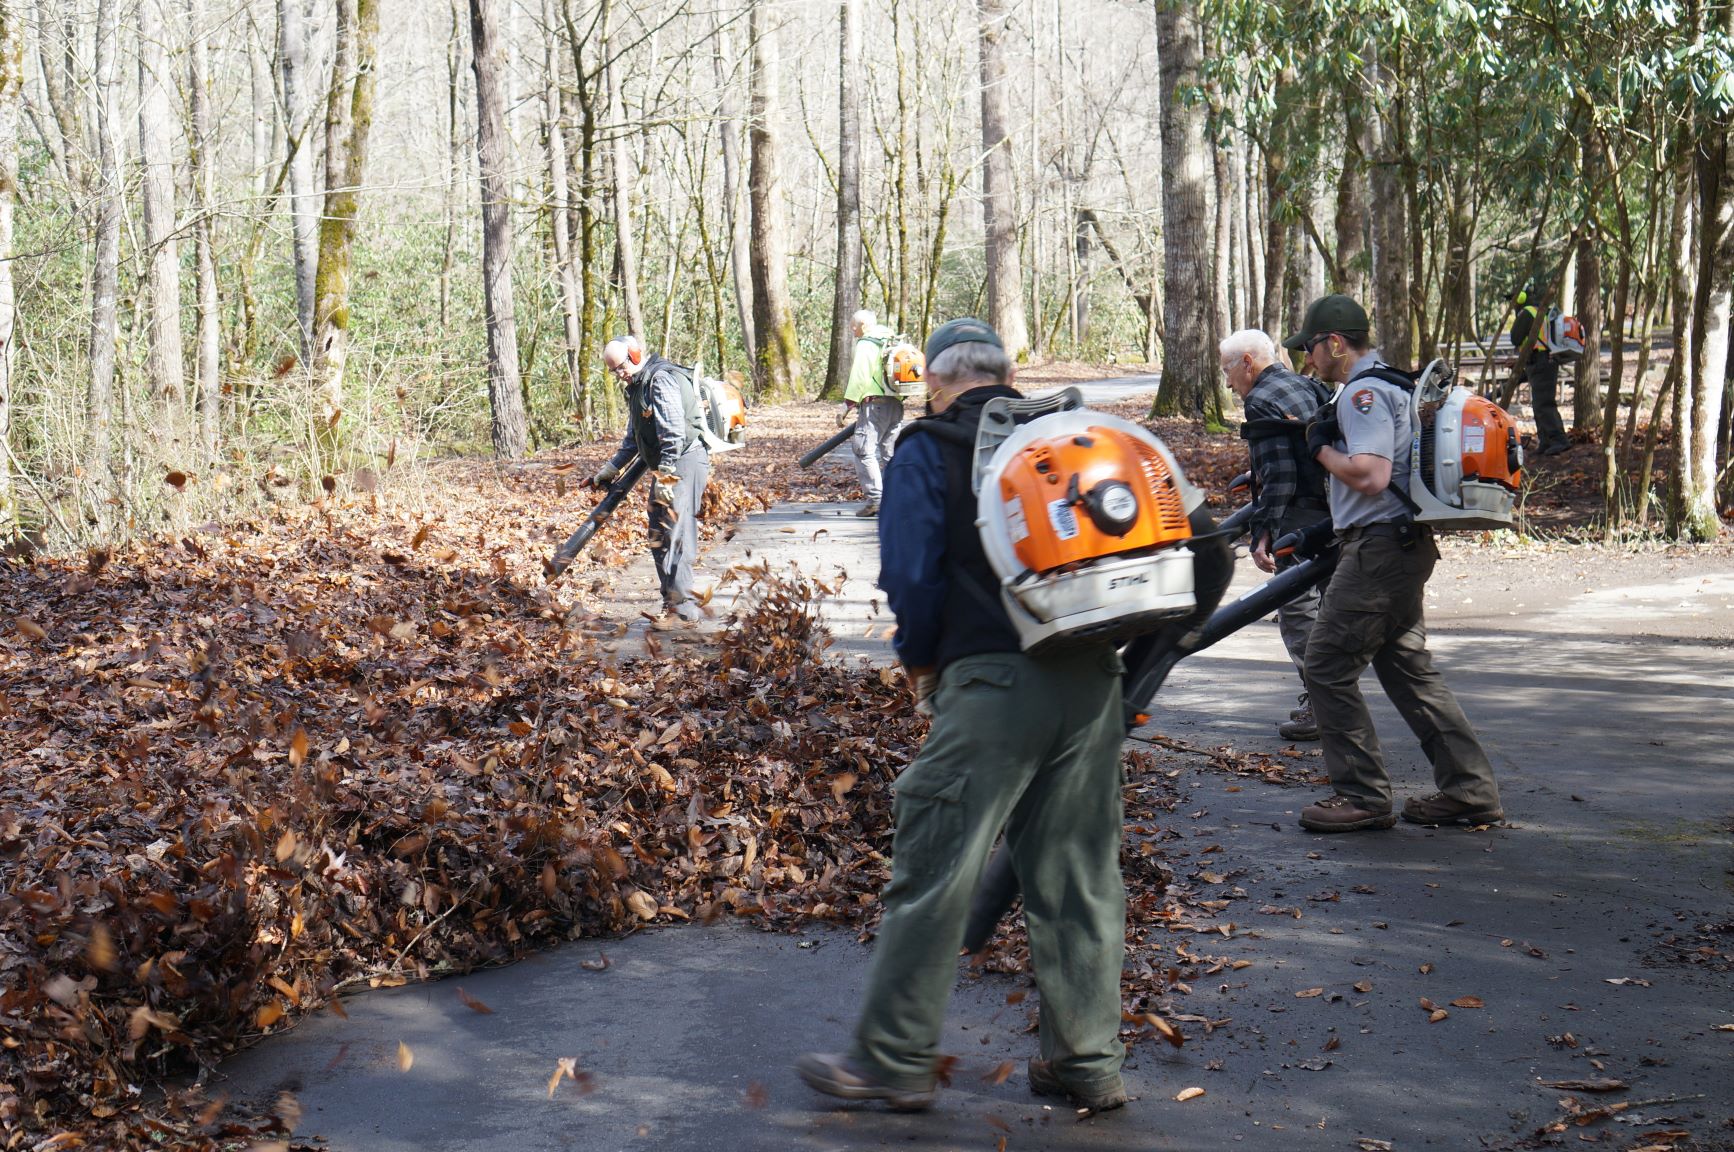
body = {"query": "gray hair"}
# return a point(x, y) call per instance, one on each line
point(972, 362)
point(864, 319)
point(1247, 340)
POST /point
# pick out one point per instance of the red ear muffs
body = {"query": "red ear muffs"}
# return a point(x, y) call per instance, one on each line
point(634, 350)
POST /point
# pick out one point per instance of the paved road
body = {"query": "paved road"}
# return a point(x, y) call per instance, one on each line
point(1614, 760)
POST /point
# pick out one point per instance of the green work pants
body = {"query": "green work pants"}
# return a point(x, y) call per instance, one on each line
point(1030, 744)
point(1371, 613)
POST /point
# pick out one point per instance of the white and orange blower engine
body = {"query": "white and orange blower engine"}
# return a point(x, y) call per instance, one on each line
point(1466, 456)
point(1084, 519)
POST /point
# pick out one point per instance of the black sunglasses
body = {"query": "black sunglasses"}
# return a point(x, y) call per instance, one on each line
point(1317, 340)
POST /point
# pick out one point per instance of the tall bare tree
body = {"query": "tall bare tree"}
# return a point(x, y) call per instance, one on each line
point(1189, 364)
point(11, 88)
point(620, 169)
point(729, 129)
point(348, 121)
point(493, 151)
point(1707, 378)
point(1383, 150)
point(303, 196)
point(206, 341)
point(778, 367)
point(846, 297)
point(1005, 304)
point(105, 263)
point(560, 215)
point(167, 368)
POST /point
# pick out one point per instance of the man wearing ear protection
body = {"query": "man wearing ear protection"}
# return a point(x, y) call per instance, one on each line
point(664, 428)
point(1542, 371)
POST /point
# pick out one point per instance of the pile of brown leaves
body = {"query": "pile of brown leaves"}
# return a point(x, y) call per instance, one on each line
point(251, 772)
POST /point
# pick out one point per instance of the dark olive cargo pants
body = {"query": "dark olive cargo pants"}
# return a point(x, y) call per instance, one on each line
point(1371, 613)
point(1031, 744)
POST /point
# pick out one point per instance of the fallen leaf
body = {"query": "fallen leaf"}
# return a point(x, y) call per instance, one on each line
point(1437, 1015)
point(642, 904)
point(841, 784)
point(564, 1066)
point(473, 1004)
point(1601, 1085)
point(29, 629)
point(269, 1013)
point(599, 964)
point(757, 1095)
point(1309, 993)
point(1186, 1094)
point(1425, 969)
point(1000, 1073)
point(405, 1058)
point(1468, 1002)
point(1631, 981)
point(1363, 986)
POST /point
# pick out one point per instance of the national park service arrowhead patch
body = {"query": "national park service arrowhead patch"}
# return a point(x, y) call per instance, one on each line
point(1363, 401)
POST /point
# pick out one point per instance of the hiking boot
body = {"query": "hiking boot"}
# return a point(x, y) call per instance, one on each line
point(1341, 813)
point(1305, 709)
point(1556, 448)
point(836, 1076)
point(1302, 726)
point(1439, 809)
point(869, 510)
point(1044, 1081)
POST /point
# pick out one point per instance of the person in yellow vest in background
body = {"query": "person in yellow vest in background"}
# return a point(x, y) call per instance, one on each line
point(1538, 367)
point(877, 407)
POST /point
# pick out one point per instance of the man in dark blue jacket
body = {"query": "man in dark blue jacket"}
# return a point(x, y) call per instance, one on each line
point(1030, 744)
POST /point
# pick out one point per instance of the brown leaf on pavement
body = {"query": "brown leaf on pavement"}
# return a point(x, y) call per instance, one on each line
point(1309, 993)
point(405, 1058)
point(757, 1095)
point(1597, 1085)
point(1186, 1094)
point(473, 1004)
point(1000, 1073)
point(1468, 1002)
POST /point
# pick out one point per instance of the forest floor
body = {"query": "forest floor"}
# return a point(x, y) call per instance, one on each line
point(263, 768)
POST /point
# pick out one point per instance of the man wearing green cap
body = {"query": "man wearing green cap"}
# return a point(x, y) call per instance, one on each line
point(1030, 744)
point(1371, 611)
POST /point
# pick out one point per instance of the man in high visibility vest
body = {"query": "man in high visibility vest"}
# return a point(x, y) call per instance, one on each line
point(877, 406)
point(1537, 366)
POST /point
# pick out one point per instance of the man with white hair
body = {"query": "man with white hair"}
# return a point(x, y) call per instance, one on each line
point(877, 407)
point(1288, 484)
point(665, 428)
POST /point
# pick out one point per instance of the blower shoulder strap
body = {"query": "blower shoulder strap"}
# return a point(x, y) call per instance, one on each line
point(1001, 416)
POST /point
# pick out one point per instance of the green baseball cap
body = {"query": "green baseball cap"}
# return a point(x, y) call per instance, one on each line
point(1337, 313)
point(967, 330)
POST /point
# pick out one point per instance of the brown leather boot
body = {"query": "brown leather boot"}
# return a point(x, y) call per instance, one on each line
point(836, 1076)
point(1439, 809)
point(1341, 813)
point(1044, 1081)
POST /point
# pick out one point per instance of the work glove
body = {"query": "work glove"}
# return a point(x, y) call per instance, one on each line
point(662, 488)
point(845, 414)
point(1323, 432)
point(605, 476)
point(924, 682)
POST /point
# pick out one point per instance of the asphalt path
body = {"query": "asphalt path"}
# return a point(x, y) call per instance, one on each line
point(1569, 936)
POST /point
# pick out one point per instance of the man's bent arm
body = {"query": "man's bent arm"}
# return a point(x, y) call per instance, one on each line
point(1365, 472)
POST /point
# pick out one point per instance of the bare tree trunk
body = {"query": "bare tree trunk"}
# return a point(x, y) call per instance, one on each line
point(1276, 229)
point(105, 266)
point(454, 161)
point(560, 216)
point(900, 164)
point(348, 120)
point(728, 128)
point(303, 195)
point(847, 297)
point(166, 364)
point(1350, 273)
point(1222, 250)
point(11, 89)
point(1189, 365)
point(1391, 314)
point(619, 163)
point(493, 151)
point(1005, 304)
point(1708, 377)
point(1586, 390)
point(207, 339)
point(1680, 295)
point(778, 367)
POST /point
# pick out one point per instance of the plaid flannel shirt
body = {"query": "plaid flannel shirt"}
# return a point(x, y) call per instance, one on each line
point(1279, 394)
